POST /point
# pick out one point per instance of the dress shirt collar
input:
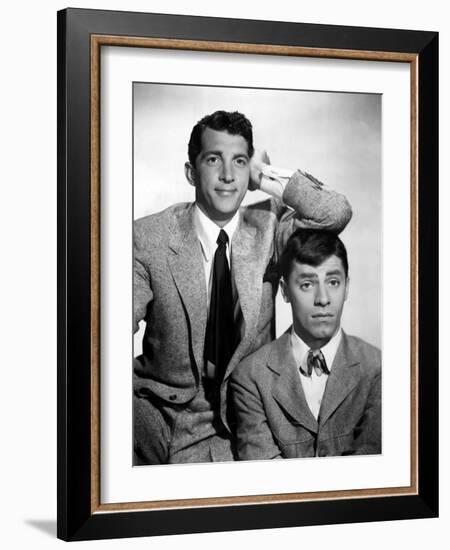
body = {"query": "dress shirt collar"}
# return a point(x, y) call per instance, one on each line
point(207, 231)
point(300, 349)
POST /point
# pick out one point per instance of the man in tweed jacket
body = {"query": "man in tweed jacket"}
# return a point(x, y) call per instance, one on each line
point(289, 403)
point(181, 409)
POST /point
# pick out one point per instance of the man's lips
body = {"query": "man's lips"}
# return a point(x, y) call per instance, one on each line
point(322, 315)
point(225, 191)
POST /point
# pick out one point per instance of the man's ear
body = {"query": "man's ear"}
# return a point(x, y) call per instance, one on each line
point(347, 285)
point(284, 290)
point(190, 173)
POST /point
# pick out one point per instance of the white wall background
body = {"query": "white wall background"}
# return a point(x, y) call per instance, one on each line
point(28, 274)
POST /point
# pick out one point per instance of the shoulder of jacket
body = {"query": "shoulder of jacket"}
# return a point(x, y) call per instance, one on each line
point(254, 363)
point(260, 210)
point(370, 353)
point(158, 224)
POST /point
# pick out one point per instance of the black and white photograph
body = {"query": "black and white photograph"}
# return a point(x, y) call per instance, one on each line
point(257, 274)
point(246, 302)
point(224, 308)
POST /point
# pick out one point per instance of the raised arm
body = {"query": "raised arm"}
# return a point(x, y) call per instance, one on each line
point(314, 204)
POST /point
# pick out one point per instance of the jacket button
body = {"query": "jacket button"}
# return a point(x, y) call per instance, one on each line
point(172, 397)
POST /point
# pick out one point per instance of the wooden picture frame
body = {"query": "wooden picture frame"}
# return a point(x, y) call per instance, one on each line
point(81, 35)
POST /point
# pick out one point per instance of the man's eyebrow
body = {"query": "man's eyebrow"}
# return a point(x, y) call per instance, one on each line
point(334, 272)
point(220, 153)
point(307, 275)
point(311, 275)
point(211, 152)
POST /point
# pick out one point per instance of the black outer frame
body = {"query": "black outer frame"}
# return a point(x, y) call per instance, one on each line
point(75, 520)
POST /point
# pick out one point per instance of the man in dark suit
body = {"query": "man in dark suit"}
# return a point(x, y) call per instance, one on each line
point(315, 391)
point(205, 282)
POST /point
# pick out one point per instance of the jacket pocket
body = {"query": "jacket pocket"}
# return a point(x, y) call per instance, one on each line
point(291, 433)
point(344, 444)
point(295, 442)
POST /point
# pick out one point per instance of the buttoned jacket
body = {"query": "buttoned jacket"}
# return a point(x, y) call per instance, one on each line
point(274, 419)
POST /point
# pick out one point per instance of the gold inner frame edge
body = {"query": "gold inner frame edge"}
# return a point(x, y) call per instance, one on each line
point(97, 41)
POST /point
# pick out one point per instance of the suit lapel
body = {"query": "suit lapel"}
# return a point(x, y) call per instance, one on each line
point(288, 390)
point(186, 265)
point(246, 271)
point(342, 380)
point(246, 267)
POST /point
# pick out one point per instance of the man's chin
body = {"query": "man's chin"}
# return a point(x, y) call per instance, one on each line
point(323, 334)
point(226, 213)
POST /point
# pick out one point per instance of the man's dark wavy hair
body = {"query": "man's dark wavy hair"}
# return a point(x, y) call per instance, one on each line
point(312, 247)
point(234, 123)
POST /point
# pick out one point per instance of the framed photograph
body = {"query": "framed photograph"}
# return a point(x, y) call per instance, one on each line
point(221, 182)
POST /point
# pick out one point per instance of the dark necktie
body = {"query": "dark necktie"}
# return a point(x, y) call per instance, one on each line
point(316, 361)
point(219, 341)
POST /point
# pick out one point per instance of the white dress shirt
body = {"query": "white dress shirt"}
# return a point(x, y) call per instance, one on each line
point(314, 385)
point(207, 233)
point(274, 179)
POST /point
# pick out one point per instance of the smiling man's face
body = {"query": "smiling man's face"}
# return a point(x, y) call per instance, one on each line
point(317, 296)
point(220, 175)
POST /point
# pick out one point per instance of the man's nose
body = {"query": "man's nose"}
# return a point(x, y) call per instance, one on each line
point(322, 296)
point(227, 173)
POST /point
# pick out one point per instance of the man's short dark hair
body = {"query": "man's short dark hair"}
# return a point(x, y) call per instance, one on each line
point(312, 247)
point(234, 123)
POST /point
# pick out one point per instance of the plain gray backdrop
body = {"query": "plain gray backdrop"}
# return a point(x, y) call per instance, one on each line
point(334, 136)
